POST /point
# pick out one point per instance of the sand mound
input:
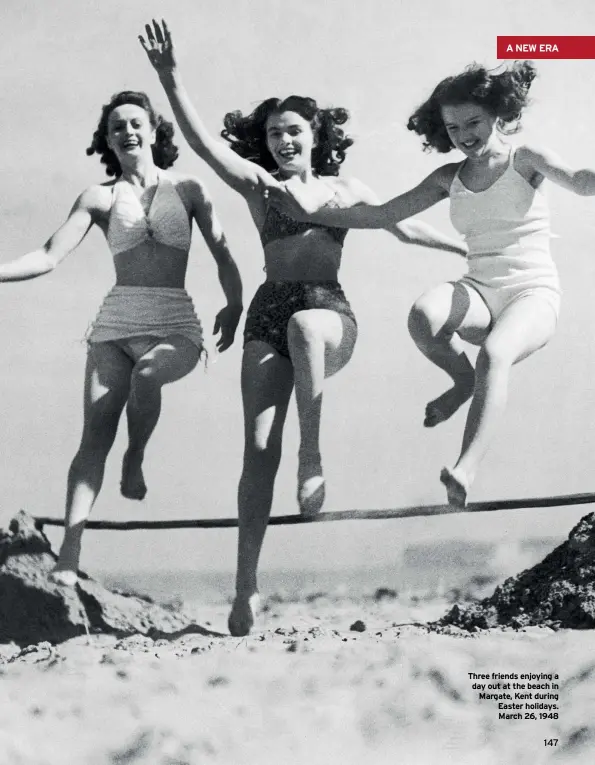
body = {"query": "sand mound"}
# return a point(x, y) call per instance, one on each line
point(33, 609)
point(558, 592)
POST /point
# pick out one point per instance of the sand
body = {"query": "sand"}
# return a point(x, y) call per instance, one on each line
point(304, 688)
point(323, 679)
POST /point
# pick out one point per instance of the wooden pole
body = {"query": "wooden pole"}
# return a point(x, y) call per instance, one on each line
point(341, 515)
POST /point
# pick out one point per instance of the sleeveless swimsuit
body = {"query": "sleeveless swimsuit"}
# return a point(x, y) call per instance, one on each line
point(507, 230)
point(146, 313)
point(275, 302)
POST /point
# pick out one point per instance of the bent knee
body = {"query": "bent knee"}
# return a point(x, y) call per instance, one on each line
point(323, 329)
point(146, 370)
point(161, 370)
point(106, 405)
point(304, 329)
point(426, 318)
point(495, 353)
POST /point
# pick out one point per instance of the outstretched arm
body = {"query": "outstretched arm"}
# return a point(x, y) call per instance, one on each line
point(547, 163)
point(228, 317)
point(365, 215)
point(237, 172)
point(58, 246)
point(420, 233)
point(412, 231)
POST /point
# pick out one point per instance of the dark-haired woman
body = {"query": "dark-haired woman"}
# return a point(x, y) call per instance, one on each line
point(147, 333)
point(300, 328)
point(508, 302)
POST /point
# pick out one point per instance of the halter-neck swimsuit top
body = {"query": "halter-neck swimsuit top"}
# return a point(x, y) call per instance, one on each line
point(278, 225)
point(166, 222)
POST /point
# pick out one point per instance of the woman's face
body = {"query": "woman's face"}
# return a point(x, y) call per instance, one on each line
point(129, 131)
point(290, 140)
point(470, 127)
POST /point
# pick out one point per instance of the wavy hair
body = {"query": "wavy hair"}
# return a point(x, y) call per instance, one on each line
point(504, 95)
point(165, 152)
point(247, 134)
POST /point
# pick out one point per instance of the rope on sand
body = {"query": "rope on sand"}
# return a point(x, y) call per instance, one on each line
point(342, 515)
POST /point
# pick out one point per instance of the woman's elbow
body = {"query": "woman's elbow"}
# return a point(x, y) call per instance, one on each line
point(46, 262)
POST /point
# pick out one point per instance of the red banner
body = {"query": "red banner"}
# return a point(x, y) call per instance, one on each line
point(545, 46)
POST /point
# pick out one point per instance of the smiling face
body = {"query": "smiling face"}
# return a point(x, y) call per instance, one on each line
point(470, 127)
point(290, 140)
point(129, 132)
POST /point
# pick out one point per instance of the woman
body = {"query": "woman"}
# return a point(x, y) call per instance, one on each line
point(146, 333)
point(509, 300)
point(300, 328)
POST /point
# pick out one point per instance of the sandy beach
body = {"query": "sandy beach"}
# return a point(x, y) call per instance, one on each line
point(93, 675)
point(322, 680)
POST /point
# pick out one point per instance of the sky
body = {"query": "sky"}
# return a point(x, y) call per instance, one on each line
point(61, 61)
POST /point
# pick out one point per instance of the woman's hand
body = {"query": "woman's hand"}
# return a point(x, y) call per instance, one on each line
point(226, 322)
point(159, 47)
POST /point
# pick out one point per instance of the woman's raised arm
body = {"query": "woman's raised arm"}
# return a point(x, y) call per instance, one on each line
point(242, 175)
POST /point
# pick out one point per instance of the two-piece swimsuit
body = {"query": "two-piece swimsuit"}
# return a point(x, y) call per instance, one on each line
point(275, 302)
point(507, 230)
point(152, 313)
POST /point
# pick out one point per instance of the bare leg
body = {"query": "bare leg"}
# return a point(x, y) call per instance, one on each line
point(168, 361)
point(107, 382)
point(267, 382)
point(320, 343)
point(438, 322)
point(524, 327)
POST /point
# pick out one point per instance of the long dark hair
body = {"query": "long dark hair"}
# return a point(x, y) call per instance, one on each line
point(247, 134)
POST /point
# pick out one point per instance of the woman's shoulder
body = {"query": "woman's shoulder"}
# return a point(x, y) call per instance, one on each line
point(444, 175)
point(529, 154)
point(351, 189)
point(528, 161)
point(188, 184)
point(98, 196)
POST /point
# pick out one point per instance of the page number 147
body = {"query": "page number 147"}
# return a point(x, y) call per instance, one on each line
point(550, 742)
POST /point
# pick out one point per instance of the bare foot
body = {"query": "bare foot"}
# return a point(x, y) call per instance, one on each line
point(442, 408)
point(243, 614)
point(64, 577)
point(66, 569)
point(457, 486)
point(311, 487)
point(132, 485)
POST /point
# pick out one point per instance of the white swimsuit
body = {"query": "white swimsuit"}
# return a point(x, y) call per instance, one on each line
point(166, 221)
point(507, 230)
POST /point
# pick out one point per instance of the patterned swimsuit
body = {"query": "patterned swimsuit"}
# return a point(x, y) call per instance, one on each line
point(275, 302)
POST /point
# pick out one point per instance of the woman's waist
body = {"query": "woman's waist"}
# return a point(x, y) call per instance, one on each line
point(512, 267)
point(146, 305)
point(515, 256)
point(302, 260)
point(127, 282)
point(312, 273)
point(156, 274)
point(156, 269)
point(507, 240)
point(144, 291)
point(272, 284)
point(311, 293)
